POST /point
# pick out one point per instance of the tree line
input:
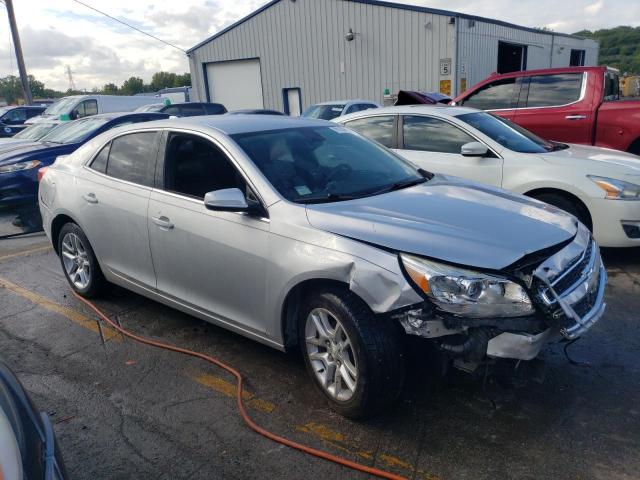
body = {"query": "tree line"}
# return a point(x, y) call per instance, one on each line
point(11, 88)
point(619, 47)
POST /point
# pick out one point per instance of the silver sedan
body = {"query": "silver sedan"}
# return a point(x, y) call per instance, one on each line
point(301, 233)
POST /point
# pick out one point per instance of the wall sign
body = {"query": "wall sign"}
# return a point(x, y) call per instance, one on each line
point(445, 67)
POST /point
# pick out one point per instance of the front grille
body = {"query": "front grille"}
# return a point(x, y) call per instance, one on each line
point(573, 299)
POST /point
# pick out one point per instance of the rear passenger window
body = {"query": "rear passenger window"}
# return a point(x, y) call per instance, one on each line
point(132, 157)
point(496, 95)
point(194, 166)
point(554, 90)
point(379, 128)
point(99, 163)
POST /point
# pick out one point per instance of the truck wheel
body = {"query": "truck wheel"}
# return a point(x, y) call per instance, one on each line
point(570, 206)
point(79, 263)
point(355, 358)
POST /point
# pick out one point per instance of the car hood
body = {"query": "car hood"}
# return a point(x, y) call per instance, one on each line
point(449, 219)
point(16, 153)
point(596, 160)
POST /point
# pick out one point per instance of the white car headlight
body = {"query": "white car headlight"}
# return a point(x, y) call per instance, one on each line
point(617, 189)
point(16, 167)
point(465, 292)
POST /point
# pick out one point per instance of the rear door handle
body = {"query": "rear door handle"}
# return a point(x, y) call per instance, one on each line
point(90, 197)
point(163, 222)
point(576, 117)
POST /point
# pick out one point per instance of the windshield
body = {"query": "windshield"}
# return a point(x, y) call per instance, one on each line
point(76, 131)
point(4, 110)
point(324, 112)
point(63, 105)
point(324, 164)
point(508, 134)
point(36, 131)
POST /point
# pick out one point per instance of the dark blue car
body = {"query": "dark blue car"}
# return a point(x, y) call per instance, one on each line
point(19, 165)
point(12, 118)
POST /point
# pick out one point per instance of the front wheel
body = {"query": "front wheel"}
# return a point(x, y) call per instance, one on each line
point(354, 357)
point(79, 262)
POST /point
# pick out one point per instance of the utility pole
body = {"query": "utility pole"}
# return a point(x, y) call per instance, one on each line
point(18, 47)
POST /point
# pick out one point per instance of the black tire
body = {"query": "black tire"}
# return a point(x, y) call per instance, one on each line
point(96, 281)
point(568, 205)
point(377, 345)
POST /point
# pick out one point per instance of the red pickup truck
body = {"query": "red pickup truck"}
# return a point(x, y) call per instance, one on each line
point(573, 105)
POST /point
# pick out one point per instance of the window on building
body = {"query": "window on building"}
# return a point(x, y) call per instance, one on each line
point(554, 90)
point(433, 135)
point(495, 95)
point(194, 166)
point(512, 57)
point(577, 58)
point(132, 157)
point(378, 128)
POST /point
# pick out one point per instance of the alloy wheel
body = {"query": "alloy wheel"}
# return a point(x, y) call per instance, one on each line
point(76, 261)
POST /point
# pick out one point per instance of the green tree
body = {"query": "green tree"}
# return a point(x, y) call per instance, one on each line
point(132, 86)
point(161, 80)
point(110, 89)
point(183, 80)
point(10, 89)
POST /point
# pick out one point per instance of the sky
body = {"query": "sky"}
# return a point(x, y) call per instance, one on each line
point(57, 33)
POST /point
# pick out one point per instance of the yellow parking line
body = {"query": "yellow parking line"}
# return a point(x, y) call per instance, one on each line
point(22, 253)
point(229, 389)
point(339, 441)
point(76, 317)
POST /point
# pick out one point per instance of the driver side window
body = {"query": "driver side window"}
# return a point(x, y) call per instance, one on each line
point(194, 166)
point(433, 135)
point(87, 108)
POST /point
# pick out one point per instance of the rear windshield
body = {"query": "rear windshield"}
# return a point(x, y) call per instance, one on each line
point(324, 112)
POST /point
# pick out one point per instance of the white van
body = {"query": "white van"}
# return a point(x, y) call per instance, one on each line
point(79, 106)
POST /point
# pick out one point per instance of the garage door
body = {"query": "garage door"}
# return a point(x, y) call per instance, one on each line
point(236, 84)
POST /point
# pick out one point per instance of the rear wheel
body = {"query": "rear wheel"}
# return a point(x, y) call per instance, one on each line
point(565, 203)
point(354, 357)
point(79, 263)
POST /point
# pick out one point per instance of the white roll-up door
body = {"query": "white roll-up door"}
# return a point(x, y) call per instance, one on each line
point(237, 84)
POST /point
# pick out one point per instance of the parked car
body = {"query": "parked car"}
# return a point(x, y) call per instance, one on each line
point(80, 106)
point(408, 97)
point(29, 134)
point(12, 118)
point(334, 109)
point(19, 165)
point(151, 107)
point(194, 109)
point(256, 111)
point(600, 187)
point(28, 444)
point(299, 232)
point(575, 105)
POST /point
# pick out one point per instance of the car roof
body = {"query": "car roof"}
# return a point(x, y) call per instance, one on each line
point(435, 110)
point(344, 102)
point(114, 115)
point(233, 124)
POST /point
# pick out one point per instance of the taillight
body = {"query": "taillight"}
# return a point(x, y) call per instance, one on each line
point(41, 172)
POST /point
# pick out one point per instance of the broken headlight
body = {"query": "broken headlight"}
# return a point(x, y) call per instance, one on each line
point(465, 292)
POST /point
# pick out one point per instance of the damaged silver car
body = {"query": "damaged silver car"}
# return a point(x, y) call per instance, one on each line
point(301, 233)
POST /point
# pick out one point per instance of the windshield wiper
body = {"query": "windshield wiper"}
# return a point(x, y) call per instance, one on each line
point(326, 198)
point(400, 185)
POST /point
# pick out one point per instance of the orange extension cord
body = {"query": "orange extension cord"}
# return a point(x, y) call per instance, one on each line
point(243, 412)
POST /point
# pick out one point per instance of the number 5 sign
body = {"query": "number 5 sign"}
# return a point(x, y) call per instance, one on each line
point(445, 67)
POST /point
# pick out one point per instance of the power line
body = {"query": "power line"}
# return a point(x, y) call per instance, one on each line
point(130, 26)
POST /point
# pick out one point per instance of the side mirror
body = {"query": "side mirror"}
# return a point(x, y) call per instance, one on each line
point(474, 149)
point(226, 200)
point(74, 115)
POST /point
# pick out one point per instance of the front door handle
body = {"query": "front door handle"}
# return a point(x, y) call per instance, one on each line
point(576, 117)
point(163, 222)
point(90, 197)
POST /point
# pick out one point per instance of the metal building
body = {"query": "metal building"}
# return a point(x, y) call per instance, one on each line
point(290, 54)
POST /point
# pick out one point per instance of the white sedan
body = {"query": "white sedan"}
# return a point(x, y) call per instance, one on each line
point(601, 187)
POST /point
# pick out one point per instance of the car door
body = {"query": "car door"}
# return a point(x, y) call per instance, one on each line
point(114, 195)
point(552, 107)
point(435, 144)
point(213, 261)
point(500, 97)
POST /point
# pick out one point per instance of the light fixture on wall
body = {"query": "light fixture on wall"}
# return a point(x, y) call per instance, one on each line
point(351, 35)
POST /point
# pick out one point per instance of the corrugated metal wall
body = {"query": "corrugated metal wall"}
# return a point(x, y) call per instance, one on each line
point(302, 44)
point(478, 49)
